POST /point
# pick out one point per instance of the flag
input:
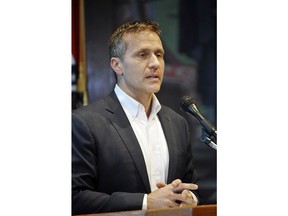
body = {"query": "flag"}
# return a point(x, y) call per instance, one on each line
point(79, 92)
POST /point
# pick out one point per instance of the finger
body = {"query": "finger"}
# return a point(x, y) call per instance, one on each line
point(185, 198)
point(173, 204)
point(184, 186)
point(176, 182)
point(160, 184)
point(192, 204)
point(179, 198)
point(187, 195)
point(189, 199)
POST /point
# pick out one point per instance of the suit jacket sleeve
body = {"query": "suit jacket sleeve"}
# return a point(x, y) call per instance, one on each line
point(86, 194)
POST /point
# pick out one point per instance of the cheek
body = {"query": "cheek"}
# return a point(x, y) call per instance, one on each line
point(163, 63)
point(162, 68)
point(132, 75)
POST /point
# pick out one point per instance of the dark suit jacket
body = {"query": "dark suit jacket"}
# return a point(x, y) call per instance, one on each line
point(108, 168)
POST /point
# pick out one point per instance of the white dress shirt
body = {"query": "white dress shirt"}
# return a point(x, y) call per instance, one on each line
point(150, 136)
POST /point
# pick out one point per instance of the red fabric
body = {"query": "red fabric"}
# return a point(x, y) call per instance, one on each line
point(75, 29)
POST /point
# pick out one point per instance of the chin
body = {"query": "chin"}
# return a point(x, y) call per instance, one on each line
point(156, 90)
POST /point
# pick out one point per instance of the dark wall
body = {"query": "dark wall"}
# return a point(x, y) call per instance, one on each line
point(189, 38)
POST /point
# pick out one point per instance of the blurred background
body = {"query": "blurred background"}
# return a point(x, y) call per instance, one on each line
point(189, 39)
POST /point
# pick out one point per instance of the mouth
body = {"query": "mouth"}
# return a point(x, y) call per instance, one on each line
point(152, 77)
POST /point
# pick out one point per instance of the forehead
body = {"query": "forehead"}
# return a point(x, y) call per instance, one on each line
point(142, 39)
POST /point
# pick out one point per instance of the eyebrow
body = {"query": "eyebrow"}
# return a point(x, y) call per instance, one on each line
point(151, 50)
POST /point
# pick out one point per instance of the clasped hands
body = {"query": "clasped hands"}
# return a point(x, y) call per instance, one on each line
point(175, 194)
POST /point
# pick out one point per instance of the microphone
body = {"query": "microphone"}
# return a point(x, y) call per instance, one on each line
point(188, 105)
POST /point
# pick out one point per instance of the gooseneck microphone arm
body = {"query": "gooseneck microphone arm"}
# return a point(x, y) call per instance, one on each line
point(209, 141)
point(188, 105)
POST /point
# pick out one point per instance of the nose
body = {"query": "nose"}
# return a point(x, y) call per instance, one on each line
point(154, 62)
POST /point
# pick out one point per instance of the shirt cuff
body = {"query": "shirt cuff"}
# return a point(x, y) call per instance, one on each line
point(144, 203)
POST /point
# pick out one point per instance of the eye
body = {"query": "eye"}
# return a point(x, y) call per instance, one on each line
point(159, 55)
point(142, 55)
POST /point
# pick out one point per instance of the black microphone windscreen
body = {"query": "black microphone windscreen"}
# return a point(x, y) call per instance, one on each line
point(185, 102)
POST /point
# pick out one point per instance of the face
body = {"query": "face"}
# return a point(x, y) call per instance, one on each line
point(142, 69)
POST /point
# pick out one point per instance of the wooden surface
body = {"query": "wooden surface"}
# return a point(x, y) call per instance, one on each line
point(201, 210)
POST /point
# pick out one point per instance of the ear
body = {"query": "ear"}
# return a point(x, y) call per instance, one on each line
point(116, 65)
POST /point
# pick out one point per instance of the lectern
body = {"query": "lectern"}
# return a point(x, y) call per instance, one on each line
point(201, 210)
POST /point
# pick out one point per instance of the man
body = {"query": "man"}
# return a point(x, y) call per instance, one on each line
point(130, 152)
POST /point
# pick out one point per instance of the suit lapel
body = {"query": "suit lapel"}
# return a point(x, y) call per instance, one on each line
point(168, 130)
point(121, 123)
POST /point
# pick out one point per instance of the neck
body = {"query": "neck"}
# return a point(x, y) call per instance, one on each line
point(146, 101)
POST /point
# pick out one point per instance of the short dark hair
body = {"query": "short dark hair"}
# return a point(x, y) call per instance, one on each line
point(117, 45)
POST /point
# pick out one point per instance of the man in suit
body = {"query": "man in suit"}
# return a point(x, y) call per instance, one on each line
point(129, 151)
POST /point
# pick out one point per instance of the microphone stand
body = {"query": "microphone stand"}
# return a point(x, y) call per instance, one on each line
point(208, 140)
